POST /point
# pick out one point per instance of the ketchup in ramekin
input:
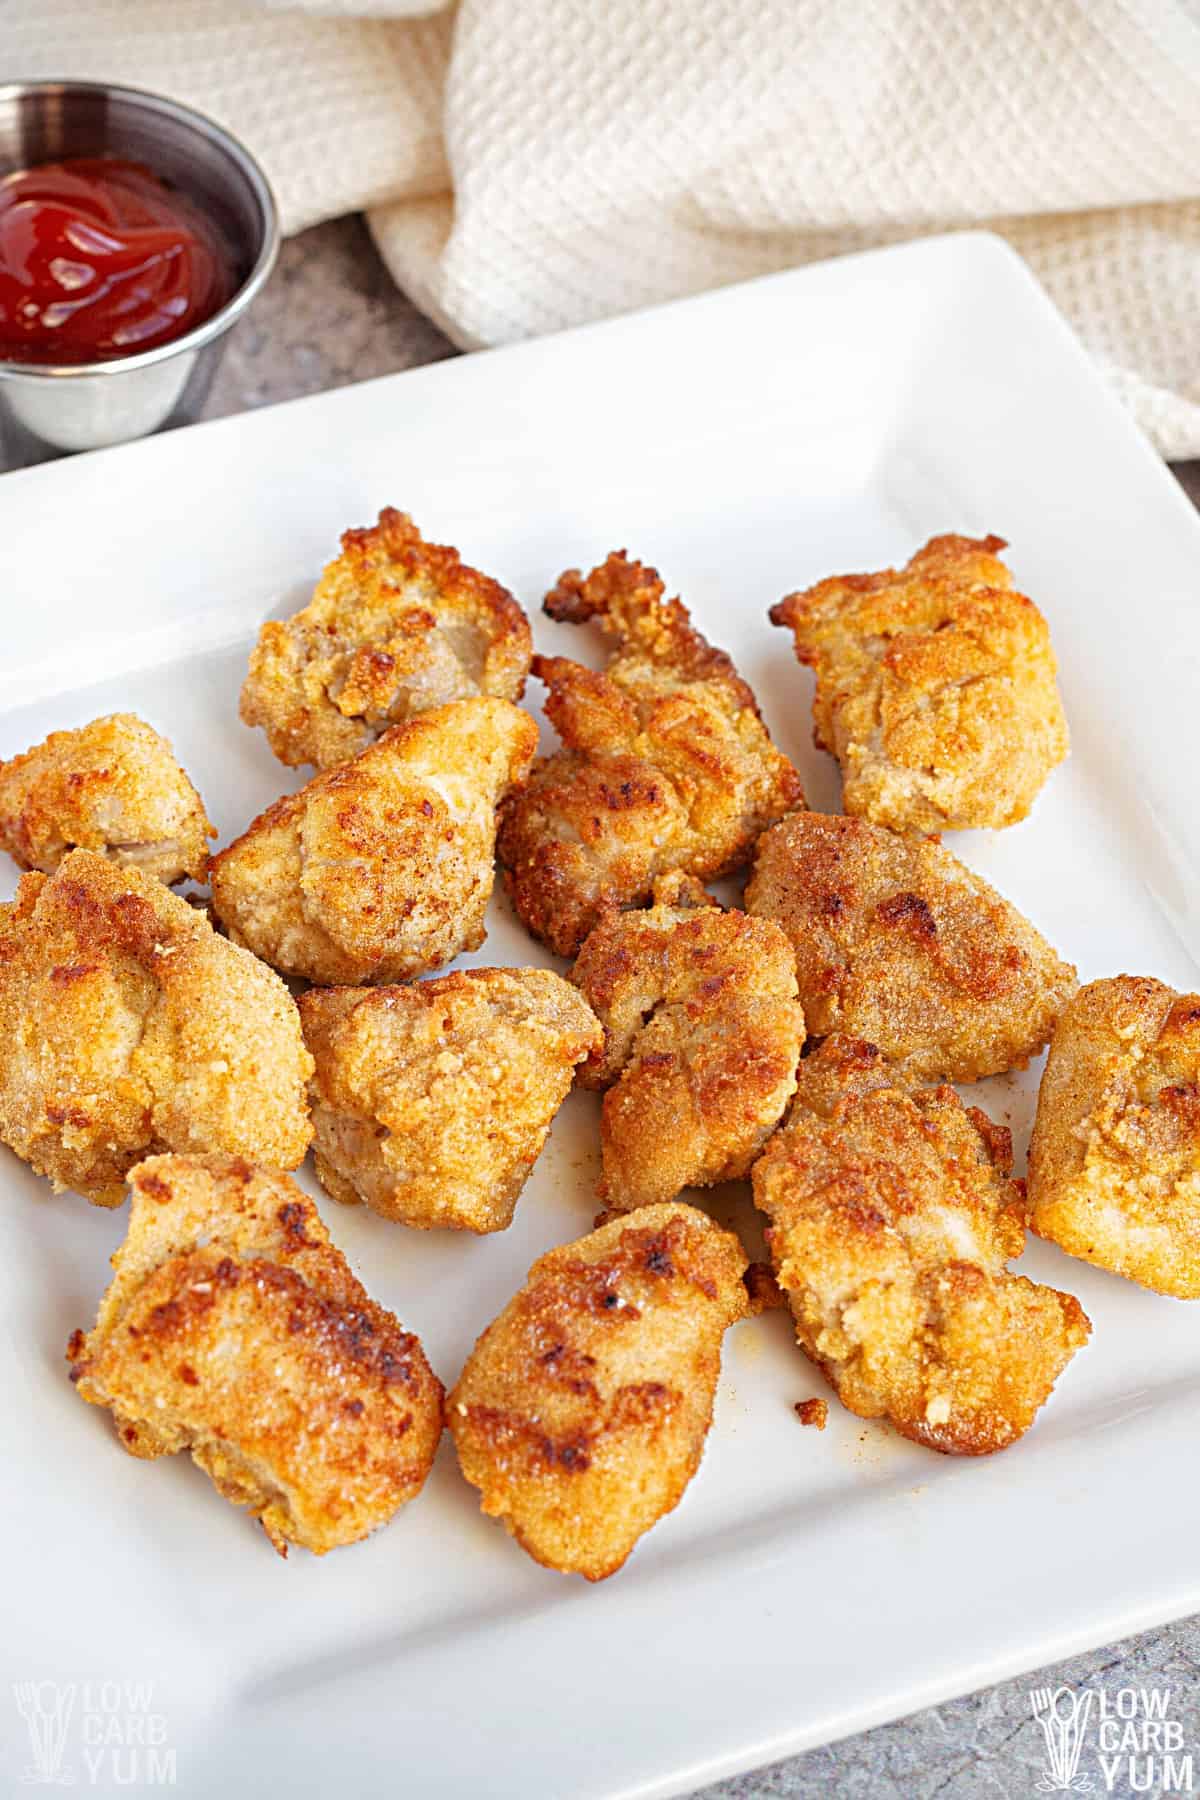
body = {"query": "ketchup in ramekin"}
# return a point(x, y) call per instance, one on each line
point(99, 259)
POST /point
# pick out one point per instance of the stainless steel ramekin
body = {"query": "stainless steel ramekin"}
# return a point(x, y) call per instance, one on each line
point(47, 408)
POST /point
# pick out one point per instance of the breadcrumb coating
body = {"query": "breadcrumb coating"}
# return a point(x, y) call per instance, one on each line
point(702, 1034)
point(395, 626)
point(1114, 1163)
point(838, 1066)
point(127, 1026)
point(432, 1103)
point(380, 869)
point(582, 1411)
point(936, 688)
point(891, 1222)
point(112, 786)
point(234, 1329)
point(666, 763)
point(900, 944)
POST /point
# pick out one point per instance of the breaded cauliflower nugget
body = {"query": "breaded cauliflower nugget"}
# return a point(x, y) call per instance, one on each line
point(127, 1026)
point(380, 869)
point(702, 1034)
point(582, 1411)
point(897, 942)
point(113, 786)
point(1114, 1163)
point(936, 688)
point(395, 627)
point(431, 1103)
point(666, 762)
point(234, 1329)
point(891, 1221)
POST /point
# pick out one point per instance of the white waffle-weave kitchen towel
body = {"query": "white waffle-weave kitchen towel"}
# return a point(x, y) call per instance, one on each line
point(528, 164)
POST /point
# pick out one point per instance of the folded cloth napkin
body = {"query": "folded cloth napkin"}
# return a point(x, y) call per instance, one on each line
point(529, 164)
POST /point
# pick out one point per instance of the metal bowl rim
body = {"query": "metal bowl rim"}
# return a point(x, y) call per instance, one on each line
point(236, 305)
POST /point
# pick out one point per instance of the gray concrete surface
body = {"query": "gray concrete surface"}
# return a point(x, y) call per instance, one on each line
point(330, 314)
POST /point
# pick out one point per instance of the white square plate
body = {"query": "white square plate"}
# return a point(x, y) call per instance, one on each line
point(811, 1583)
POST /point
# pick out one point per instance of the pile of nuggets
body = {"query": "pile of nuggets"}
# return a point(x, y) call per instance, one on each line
point(190, 1051)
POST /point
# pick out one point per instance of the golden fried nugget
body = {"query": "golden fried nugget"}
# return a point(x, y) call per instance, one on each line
point(431, 1103)
point(113, 786)
point(935, 688)
point(127, 1026)
point(891, 1222)
point(1114, 1163)
point(582, 1411)
point(666, 765)
point(234, 1329)
point(396, 626)
point(897, 942)
point(380, 869)
point(702, 1034)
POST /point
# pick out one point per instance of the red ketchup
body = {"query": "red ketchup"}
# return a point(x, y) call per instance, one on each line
point(99, 258)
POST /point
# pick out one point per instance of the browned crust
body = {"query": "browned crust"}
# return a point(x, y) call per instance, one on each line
point(762, 1290)
point(935, 688)
point(1114, 1161)
point(380, 869)
point(362, 653)
point(892, 1220)
point(582, 1410)
point(113, 786)
point(665, 762)
point(132, 1027)
point(629, 600)
point(702, 1034)
point(948, 555)
point(432, 1102)
point(900, 945)
point(812, 1412)
point(235, 1330)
